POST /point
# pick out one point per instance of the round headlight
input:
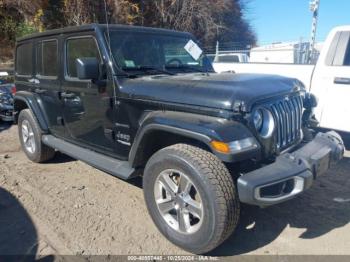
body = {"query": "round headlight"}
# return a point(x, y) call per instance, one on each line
point(258, 120)
point(264, 122)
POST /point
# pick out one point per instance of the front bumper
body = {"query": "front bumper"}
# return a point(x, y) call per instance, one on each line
point(291, 173)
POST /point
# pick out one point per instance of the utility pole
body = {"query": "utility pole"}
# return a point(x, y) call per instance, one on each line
point(216, 59)
point(314, 7)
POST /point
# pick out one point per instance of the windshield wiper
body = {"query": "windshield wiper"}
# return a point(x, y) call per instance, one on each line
point(186, 67)
point(125, 74)
point(148, 69)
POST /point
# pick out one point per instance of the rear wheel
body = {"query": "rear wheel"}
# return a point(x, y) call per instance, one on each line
point(30, 137)
point(191, 197)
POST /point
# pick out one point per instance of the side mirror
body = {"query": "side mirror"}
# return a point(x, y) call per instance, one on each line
point(310, 101)
point(88, 68)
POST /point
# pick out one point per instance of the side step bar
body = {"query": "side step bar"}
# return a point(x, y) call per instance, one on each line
point(114, 167)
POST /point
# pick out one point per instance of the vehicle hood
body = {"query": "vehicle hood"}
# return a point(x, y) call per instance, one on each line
point(219, 91)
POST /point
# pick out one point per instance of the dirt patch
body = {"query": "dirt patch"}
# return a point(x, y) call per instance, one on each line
point(68, 207)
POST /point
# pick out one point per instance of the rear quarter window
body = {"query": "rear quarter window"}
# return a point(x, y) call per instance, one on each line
point(24, 59)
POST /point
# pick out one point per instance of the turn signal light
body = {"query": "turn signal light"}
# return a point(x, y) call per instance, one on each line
point(220, 147)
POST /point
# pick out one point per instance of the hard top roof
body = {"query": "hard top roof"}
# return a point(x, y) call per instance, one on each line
point(94, 27)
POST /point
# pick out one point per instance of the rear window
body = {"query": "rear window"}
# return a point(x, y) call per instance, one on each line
point(46, 63)
point(229, 59)
point(24, 59)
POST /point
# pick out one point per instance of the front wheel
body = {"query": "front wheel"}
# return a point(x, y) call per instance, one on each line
point(191, 197)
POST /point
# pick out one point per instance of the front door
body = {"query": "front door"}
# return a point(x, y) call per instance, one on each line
point(336, 80)
point(86, 106)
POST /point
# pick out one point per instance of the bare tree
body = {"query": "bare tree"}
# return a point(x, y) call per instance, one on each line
point(125, 11)
point(76, 12)
point(209, 20)
point(204, 18)
point(26, 8)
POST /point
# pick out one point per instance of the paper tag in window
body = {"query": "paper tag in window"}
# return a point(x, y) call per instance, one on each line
point(193, 49)
point(129, 63)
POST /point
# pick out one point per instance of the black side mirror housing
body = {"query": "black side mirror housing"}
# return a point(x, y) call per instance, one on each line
point(88, 68)
point(310, 101)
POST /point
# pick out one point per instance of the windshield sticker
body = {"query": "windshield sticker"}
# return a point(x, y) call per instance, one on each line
point(193, 49)
point(129, 63)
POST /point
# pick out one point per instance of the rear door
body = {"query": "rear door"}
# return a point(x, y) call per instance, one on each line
point(86, 106)
point(334, 76)
point(47, 82)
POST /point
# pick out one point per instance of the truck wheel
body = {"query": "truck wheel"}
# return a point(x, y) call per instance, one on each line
point(191, 197)
point(30, 137)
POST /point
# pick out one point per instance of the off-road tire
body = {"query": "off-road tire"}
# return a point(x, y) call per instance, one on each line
point(42, 152)
point(216, 186)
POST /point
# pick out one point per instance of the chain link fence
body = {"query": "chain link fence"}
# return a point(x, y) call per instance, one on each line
point(288, 52)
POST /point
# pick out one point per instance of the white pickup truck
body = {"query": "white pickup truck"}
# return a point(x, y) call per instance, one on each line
point(329, 79)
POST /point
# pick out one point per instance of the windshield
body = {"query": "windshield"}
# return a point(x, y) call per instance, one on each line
point(149, 53)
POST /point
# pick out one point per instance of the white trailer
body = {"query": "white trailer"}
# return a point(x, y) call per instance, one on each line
point(292, 53)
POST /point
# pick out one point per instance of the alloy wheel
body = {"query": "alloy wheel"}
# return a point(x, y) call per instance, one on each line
point(178, 201)
point(28, 137)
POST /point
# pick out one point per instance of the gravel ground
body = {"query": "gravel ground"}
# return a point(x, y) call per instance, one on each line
point(68, 207)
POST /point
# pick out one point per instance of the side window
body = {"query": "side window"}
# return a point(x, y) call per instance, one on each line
point(47, 62)
point(79, 48)
point(332, 49)
point(341, 55)
point(347, 55)
point(24, 59)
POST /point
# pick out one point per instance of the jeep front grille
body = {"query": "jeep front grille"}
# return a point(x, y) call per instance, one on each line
point(288, 117)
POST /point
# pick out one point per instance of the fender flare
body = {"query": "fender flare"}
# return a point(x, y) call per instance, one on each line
point(34, 103)
point(198, 127)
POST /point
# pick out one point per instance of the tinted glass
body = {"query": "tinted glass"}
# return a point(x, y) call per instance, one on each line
point(229, 59)
point(174, 50)
point(47, 64)
point(347, 55)
point(339, 58)
point(24, 62)
point(133, 50)
point(80, 48)
point(332, 49)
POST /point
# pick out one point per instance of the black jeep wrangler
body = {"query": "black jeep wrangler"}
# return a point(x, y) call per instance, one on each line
point(136, 101)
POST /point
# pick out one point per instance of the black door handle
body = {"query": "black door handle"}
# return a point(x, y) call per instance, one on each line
point(39, 91)
point(67, 95)
point(342, 81)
